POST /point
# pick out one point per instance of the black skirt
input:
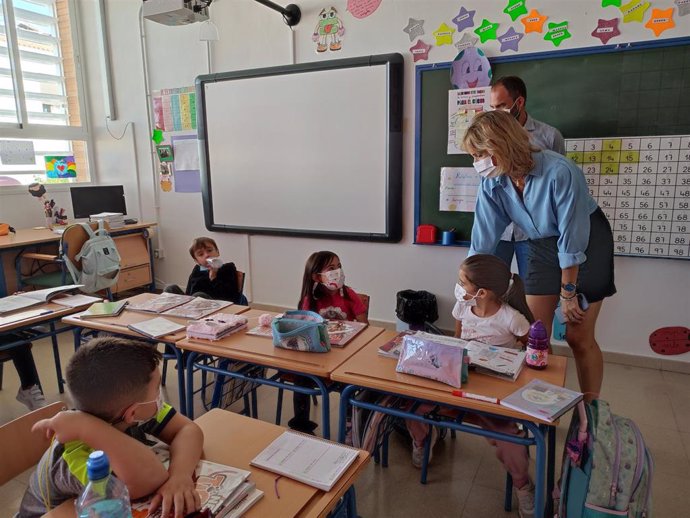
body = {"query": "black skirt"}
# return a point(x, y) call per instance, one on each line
point(595, 277)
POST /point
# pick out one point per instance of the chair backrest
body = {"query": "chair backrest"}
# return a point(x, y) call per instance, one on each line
point(365, 300)
point(73, 238)
point(240, 281)
point(20, 449)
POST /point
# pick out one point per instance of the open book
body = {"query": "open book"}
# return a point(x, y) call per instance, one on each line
point(500, 362)
point(31, 298)
point(222, 489)
point(340, 332)
point(542, 400)
point(160, 303)
point(392, 348)
point(313, 461)
point(197, 308)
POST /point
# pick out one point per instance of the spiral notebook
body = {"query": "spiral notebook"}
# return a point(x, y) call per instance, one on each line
point(307, 459)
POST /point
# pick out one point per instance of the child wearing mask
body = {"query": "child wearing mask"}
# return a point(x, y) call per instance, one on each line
point(491, 308)
point(324, 292)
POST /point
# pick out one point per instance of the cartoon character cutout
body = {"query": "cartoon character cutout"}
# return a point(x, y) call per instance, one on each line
point(470, 69)
point(329, 31)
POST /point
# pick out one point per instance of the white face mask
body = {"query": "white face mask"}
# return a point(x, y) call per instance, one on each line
point(460, 294)
point(159, 407)
point(334, 279)
point(485, 167)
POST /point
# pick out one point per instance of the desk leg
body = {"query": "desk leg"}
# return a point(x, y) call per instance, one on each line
point(351, 504)
point(3, 284)
point(508, 501)
point(180, 379)
point(56, 357)
point(539, 469)
point(190, 383)
point(550, 469)
point(325, 407)
point(345, 396)
point(77, 337)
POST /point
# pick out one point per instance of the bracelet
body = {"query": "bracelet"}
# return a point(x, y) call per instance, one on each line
point(569, 298)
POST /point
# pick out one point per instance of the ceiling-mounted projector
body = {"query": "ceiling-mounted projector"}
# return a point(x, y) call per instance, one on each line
point(176, 12)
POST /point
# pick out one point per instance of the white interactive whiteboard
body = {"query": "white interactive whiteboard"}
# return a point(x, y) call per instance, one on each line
point(308, 150)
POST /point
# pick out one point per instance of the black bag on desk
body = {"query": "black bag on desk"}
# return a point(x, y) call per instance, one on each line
point(416, 307)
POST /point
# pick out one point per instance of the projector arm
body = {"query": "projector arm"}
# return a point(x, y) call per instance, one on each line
point(291, 13)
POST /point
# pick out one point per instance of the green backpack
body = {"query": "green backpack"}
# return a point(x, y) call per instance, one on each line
point(607, 469)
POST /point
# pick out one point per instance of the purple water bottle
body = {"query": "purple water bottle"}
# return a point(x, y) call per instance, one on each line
point(537, 346)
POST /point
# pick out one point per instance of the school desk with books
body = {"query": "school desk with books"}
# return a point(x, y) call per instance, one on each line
point(368, 370)
point(235, 440)
point(33, 298)
point(124, 323)
point(260, 351)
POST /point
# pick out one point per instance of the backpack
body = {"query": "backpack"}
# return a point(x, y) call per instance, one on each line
point(607, 469)
point(100, 261)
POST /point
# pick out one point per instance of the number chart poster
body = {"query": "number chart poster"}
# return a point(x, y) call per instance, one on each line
point(174, 109)
point(643, 186)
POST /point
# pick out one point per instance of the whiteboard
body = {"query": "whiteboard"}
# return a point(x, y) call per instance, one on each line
point(311, 149)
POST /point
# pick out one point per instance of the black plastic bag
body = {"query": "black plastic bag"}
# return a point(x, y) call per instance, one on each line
point(416, 307)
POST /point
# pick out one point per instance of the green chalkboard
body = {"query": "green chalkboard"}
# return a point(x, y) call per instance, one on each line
point(633, 92)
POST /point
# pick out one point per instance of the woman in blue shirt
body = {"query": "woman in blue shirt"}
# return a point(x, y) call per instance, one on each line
point(570, 239)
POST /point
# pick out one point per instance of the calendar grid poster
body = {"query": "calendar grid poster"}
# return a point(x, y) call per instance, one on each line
point(175, 109)
point(643, 186)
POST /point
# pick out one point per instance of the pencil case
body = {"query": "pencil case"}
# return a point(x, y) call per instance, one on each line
point(422, 356)
point(301, 331)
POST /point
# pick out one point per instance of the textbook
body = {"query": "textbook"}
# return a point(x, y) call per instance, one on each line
point(104, 309)
point(24, 315)
point(197, 308)
point(307, 459)
point(392, 348)
point(216, 484)
point(340, 332)
point(500, 362)
point(542, 400)
point(31, 298)
point(74, 301)
point(216, 326)
point(160, 303)
point(156, 327)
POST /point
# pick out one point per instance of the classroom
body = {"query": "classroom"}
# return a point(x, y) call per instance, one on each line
point(121, 105)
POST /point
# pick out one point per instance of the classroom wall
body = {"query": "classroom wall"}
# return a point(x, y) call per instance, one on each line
point(652, 292)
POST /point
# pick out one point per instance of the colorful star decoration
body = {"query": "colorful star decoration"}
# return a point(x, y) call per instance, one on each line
point(444, 35)
point(606, 29)
point(486, 31)
point(557, 33)
point(510, 40)
point(420, 51)
point(615, 3)
point(634, 11)
point(683, 7)
point(515, 9)
point(464, 19)
point(534, 21)
point(414, 28)
point(661, 20)
point(466, 41)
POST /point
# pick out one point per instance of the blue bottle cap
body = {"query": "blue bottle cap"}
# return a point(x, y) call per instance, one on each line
point(98, 465)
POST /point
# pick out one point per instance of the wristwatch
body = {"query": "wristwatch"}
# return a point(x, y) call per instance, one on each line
point(569, 288)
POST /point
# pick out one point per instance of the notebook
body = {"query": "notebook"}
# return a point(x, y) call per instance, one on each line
point(32, 298)
point(156, 327)
point(24, 315)
point(310, 460)
point(500, 362)
point(216, 327)
point(542, 400)
point(104, 309)
point(392, 348)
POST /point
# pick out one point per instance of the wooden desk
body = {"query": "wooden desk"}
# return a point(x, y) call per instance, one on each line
point(132, 241)
point(118, 325)
point(259, 350)
point(235, 440)
point(57, 312)
point(369, 370)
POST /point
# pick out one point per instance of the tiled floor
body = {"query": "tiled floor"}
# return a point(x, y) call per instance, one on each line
point(465, 480)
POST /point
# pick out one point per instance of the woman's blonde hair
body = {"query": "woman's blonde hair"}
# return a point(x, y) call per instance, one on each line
point(498, 134)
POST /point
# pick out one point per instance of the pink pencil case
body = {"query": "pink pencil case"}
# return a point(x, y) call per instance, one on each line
point(434, 360)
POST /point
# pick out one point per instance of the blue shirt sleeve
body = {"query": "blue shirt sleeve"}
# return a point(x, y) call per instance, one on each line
point(490, 220)
point(572, 214)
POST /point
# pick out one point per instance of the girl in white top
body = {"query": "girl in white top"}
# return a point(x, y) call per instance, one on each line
point(490, 303)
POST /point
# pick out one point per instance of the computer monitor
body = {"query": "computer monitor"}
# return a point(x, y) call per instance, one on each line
point(94, 200)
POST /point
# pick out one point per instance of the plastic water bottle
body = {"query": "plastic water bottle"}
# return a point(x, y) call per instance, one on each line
point(104, 496)
point(214, 262)
point(537, 346)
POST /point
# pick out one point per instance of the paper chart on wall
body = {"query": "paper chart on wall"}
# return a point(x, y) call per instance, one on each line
point(463, 105)
point(17, 152)
point(459, 186)
point(175, 109)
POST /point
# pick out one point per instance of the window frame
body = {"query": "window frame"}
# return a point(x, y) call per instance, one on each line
point(33, 131)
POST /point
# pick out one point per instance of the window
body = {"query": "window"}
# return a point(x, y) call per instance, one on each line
point(41, 94)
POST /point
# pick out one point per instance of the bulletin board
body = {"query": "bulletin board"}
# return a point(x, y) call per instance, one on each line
point(614, 96)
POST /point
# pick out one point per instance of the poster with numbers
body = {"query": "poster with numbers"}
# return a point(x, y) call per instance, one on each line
point(643, 186)
point(174, 109)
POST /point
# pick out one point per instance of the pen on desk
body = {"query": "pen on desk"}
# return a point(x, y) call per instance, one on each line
point(478, 397)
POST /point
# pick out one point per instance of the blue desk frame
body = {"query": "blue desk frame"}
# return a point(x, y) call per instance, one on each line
point(273, 381)
point(541, 436)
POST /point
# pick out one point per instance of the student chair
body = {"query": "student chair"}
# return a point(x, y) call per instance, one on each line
point(73, 238)
point(22, 449)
